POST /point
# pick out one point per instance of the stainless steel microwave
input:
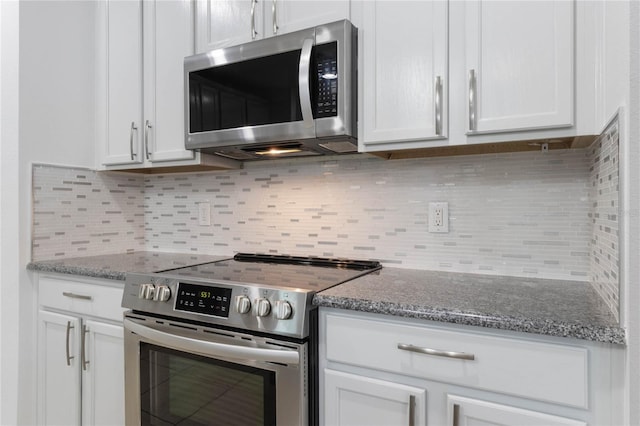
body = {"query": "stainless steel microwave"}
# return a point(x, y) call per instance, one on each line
point(288, 95)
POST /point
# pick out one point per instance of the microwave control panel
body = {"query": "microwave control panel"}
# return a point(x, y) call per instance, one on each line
point(327, 74)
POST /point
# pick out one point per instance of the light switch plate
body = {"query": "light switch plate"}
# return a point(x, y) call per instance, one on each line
point(204, 213)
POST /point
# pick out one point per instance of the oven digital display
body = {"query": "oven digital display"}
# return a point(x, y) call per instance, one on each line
point(202, 299)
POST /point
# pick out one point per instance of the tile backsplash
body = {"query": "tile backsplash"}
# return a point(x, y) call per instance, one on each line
point(604, 213)
point(533, 214)
point(522, 214)
point(78, 212)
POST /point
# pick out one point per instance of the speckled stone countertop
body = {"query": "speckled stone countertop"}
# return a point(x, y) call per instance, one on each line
point(549, 307)
point(115, 266)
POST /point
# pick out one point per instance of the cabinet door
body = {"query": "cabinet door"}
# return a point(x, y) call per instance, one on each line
point(474, 412)
point(124, 83)
point(222, 23)
point(285, 16)
point(168, 38)
point(103, 374)
point(404, 71)
point(58, 369)
point(519, 58)
point(352, 400)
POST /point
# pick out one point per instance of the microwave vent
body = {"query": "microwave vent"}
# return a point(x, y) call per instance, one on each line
point(340, 147)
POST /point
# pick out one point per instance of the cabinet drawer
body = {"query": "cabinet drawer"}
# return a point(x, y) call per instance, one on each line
point(79, 297)
point(542, 371)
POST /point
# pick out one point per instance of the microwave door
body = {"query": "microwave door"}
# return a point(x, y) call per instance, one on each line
point(258, 92)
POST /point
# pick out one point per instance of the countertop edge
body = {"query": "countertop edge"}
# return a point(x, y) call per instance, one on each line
point(76, 270)
point(602, 334)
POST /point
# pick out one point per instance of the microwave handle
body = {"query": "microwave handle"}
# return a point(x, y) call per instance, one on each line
point(212, 348)
point(303, 82)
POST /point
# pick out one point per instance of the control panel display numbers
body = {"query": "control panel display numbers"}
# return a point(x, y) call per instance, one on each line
point(215, 301)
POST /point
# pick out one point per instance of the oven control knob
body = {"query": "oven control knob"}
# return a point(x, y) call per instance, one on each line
point(263, 307)
point(162, 293)
point(283, 310)
point(243, 304)
point(147, 291)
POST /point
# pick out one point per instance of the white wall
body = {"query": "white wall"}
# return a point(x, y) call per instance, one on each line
point(57, 125)
point(9, 212)
point(632, 218)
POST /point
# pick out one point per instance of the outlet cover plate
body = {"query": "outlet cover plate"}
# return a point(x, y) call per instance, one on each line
point(439, 217)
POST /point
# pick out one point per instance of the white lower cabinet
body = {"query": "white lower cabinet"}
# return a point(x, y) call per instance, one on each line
point(383, 370)
point(81, 353)
point(475, 412)
point(353, 400)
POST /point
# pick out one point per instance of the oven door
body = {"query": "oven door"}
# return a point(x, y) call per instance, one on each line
point(179, 373)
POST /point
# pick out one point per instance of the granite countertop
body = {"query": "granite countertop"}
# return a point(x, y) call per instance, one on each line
point(541, 306)
point(115, 266)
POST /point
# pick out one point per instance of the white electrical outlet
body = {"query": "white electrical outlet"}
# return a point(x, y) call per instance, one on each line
point(439, 217)
point(204, 213)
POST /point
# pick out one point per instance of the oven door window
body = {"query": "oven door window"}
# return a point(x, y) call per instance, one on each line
point(186, 389)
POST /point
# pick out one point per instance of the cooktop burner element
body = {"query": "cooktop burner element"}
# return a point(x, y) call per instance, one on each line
point(259, 292)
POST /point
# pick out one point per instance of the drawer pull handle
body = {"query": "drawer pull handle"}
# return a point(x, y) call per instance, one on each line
point(76, 296)
point(436, 352)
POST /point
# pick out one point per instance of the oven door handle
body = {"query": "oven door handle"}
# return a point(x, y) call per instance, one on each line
point(212, 348)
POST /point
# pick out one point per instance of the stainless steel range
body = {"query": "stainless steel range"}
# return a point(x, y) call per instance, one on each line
point(231, 342)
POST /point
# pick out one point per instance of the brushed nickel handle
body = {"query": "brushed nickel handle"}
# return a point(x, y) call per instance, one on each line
point(133, 127)
point(76, 296)
point(473, 101)
point(438, 102)
point(436, 352)
point(254, 33)
point(456, 414)
point(147, 126)
point(412, 410)
point(274, 17)
point(83, 354)
point(69, 356)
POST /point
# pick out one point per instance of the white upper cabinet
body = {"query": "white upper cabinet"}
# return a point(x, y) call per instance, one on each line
point(123, 64)
point(285, 16)
point(404, 73)
point(438, 73)
point(222, 23)
point(520, 61)
point(140, 56)
point(168, 36)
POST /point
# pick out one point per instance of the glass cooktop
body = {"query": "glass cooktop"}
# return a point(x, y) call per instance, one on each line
point(304, 273)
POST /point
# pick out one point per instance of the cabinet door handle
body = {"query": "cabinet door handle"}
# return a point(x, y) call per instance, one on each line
point(69, 356)
point(83, 353)
point(76, 296)
point(456, 414)
point(254, 33)
point(147, 126)
point(133, 127)
point(412, 410)
point(274, 17)
point(436, 352)
point(438, 105)
point(473, 101)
